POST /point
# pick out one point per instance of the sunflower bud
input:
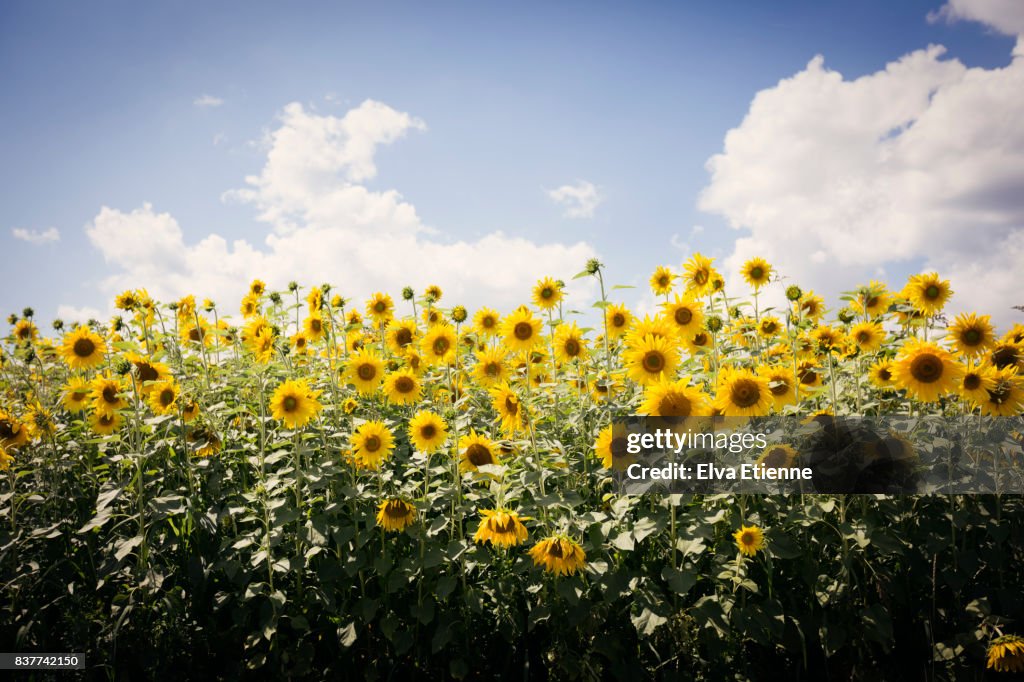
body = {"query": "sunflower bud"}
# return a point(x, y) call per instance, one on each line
point(793, 292)
point(172, 306)
point(459, 313)
point(12, 319)
point(293, 286)
point(28, 313)
point(275, 298)
point(714, 324)
point(408, 293)
point(58, 324)
point(593, 266)
point(123, 367)
point(846, 316)
point(208, 305)
point(326, 288)
point(735, 312)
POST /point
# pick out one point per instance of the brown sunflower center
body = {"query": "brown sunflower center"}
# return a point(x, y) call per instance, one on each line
point(972, 382)
point(1000, 394)
point(167, 396)
point(572, 347)
point(83, 348)
point(315, 325)
point(195, 334)
point(487, 322)
point(700, 277)
point(683, 316)
point(926, 368)
point(523, 331)
point(555, 549)
point(366, 371)
point(479, 455)
point(396, 510)
point(931, 292)
point(110, 394)
point(1005, 357)
point(7, 430)
point(675, 405)
point(441, 345)
point(654, 361)
point(971, 337)
point(79, 396)
point(756, 272)
point(744, 393)
point(428, 431)
point(492, 369)
point(290, 403)
point(503, 526)
point(618, 320)
point(779, 386)
point(147, 372)
point(863, 337)
point(700, 339)
point(884, 374)
point(403, 337)
point(511, 405)
point(808, 376)
point(769, 326)
point(747, 538)
point(372, 444)
point(775, 457)
point(405, 384)
point(380, 307)
point(546, 293)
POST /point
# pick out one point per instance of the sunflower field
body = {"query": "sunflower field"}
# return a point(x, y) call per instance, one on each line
point(308, 486)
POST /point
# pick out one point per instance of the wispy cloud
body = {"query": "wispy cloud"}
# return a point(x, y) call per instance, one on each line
point(207, 101)
point(579, 200)
point(50, 234)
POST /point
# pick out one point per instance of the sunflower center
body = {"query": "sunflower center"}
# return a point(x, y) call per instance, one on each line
point(663, 281)
point(747, 538)
point(380, 306)
point(166, 397)
point(523, 331)
point(768, 327)
point(757, 272)
point(619, 447)
point(972, 382)
point(572, 348)
point(863, 337)
point(478, 455)
point(683, 316)
point(926, 368)
point(931, 292)
point(110, 394)
point(84, 348)
point(487, 322)
point(428, 431)
point(492, 369)
point(405, 385)
point(7, 429)
point(403, 336)
point(315, 325)
point(546, 293)
point(972, 337)
point(700, 339)
point(106, 419)
point(776, 457)
point(871, 302)
point(675, 405)
point(781, 386)
point(396, 510)
point(372, 444)
point(503, 525)
point(745, 393)
point(512, 405)
point(654, 361)
point(1004, 357)
point(366, 371)
point(809, 376)
point(884, 374)
point(441, 346)
point(1000, 394)
point(700, 277)
point(194, 334)
point(290, 404)
point(79, 396)
point(147, 372)
point(555, 549)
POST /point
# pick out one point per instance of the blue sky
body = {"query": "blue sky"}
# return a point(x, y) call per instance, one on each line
point(102, 107)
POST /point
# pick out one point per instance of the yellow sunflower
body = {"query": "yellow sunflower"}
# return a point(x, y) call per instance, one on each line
point(372, 444)
point(781, 384)
point(402, 387)
point(294, 403)
point(107, 395)
point(13, 432)
point(618, 318)
point(559, 555)
point(928, 293)
point(757, 272)
point(547, 294)
point(827, 339)
point(353, 319)
point(520, 331)
point(205, 441)
point(250, 306)
point(880, 374)
point(972, 334)
point(433, 316)
point(1006, 654)
point(25, 331)
point(427, 431)
point(380, 307)
point(926, 371)
point(147, 372)
point(684, 313)
point(698, 341)
point(75, 395)
point(163, 397)
point(657, 326)
point(105, 424)
point(257, 287)
point(365, 371)
point(741, 393)
point(83, 348)
point(395, 514)
point(610, 447)
point(1006, 397)
point(401, 335)
point(500, 527)
point(811, 306)
point(570, 344)
point(868, 336)
point(769, 327)
point(698, 275)
point(476, 450)
point(433, 293)
point(779, 456)
point(486, 323)
point(872, 300)
point(749, 540)
point(490, 367)
point(313, 325)
point(300, 342)
point(439, 345)
point(667, 398)
point(661, 280)
point(189, 410)
point(650, 359)
point(976, 383)
point(1005, 354)
point(509, 408)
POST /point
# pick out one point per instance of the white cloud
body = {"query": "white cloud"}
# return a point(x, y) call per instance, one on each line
point(70, 313)
point(579, 200)
point(207, 101)
point(50, 234)
point(921, 161)
point(1006, 16)
point(326, 226)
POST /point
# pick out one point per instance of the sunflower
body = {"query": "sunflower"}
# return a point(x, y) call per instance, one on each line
point(650, 359)
point(196, 330)
point(610, 447)
point(105, 424)
point(163, 397)
point(779, 456)
point(618, 319)
point(476, 451)
point(380, 307)
point(401, 335)
point(439, 345)
point(683, 313)
point(300, 342)
point(603, 388)
point(521, 330)
point(757, 272)
point(147, 372)
point(880, 374)
point(372, 444)
point(500, 527)
point(13, 433)
point(697, 342)
point(395, 514)
point(189, 410)
point(349, 405)
point(294, 403)
point(433, 316)
point(868, 336)
point(106, 395)
point(25, 331)
point(1006, 397)
point(5, 460)
point(250, 306)
point(667, 398)
point(926, 370)
point(749, 540)
point(402, 387)
point(741, 393)
point(769, 327)
point(1005, 354)
point(811, 306)
point(657, 326)
point(490, 367)
point(315, 299)
point(353, 319)
point(827, 339)
point(976, 383)
point(1006, 654)
point(313, 325)
point(427, 431)
point(570, 344)
point(781, 384)
point(126, 300)
point(262, 346)
point(972, 334)
point(433, 293)
point(75, 395)
point(891, 447)
point(486, 322)
point(1015, 334)
point(872, 300)
point(699, 275)
point(559, 555)
point(253, 328)
point(661, 281)
point(414, 361)
point(83, 348)
point(509, 408)
point(365, 370)
point(547, 294)
point(927, 292)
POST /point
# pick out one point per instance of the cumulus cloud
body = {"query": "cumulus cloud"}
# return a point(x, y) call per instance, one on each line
point(918, 164)
point(50, 234)
point(207, 101)
point(70, 313)
point(579, 200)
point(1006, 16)
point(324, 225)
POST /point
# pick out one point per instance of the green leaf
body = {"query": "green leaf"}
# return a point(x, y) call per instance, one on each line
point(678, 581)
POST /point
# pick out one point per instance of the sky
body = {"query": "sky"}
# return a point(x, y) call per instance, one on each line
point(190, 147)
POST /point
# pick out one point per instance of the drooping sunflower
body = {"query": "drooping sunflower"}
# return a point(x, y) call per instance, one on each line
point(476, 450)
point(666, 398)
point(880, 374)
point(868, 336)
point(972, 334)
point(300, 342)
point(749, 540)
point(603, 388)
point(257, 287)
point(569, 344)
point(684, 313)
point(520, 331)
point(976, 382)
point(372, 444)
point(827, 339)
point(926, 370)
point(778, 456)
point(75, 395)
point(163, 397)
point(83, 348)
point(618, 318)
point(1006, 397)
point(486, 323)
point(781, 384)
point(105, 424)
point(427, 431)
point(253, 328)
point(651, 358)
point(559, 555)
point(433, 316)
point(380, 307)
point(205, 441)
point(402, 387)
point(928, 292)
point(500, 527)
point(757, 272)
point(661, 281)
point(439, 345)
point(401, 335)
point(365, 371)
point(13, 432)
point(395, 514)
point(1006, 654)
point(107, 395)
point(189, 410)
point(547, 294)
point(490, 367)
point(313, 325)
point(509, 408)
point(196, 330)
point(353, 319)
point(294, 403)
point(262, 346)
point(742, 393)
point(315, 299)
point(699, 274)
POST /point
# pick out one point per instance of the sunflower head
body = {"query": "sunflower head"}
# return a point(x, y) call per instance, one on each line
point(547, 293)
point(427, 431)
point(559, 555)
point(749, 540)
point(476, 450)
point(1006, 654)
point(486, 322)
point(521, 331)
point(372, 444)
point(742, 393)
point(928, 293)
point(618, 319)
point(500, 527)
point(757, 272)
point(294, 403)
point(926, 370)
point(661, 280)
point(395, 514)
point(651, 358)
point(83, 348)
